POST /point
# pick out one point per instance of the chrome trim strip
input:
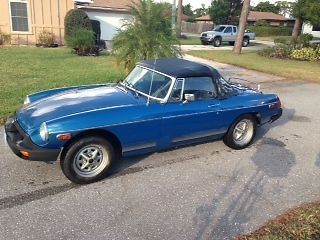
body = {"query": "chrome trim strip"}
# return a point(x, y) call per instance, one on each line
point(197, 135)
point(138, 147)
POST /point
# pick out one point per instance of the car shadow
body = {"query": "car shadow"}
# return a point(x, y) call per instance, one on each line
point(272, 160)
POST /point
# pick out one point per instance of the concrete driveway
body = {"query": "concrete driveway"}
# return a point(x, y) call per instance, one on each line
point(206, 191)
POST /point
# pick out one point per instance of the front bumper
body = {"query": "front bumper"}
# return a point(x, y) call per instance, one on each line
point(21, 144)
point(206, 39)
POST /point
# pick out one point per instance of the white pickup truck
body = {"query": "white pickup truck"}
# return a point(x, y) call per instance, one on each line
point(225, 33)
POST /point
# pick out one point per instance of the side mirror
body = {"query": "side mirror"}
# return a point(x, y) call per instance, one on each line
point(188, 98)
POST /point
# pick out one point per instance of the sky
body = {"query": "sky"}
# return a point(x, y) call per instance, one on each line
point(197, 3)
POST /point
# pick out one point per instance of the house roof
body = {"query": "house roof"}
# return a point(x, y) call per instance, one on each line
point(204, 18)
point(180, 68)
point(184, 17)
point(256, 16)
point(110, 5)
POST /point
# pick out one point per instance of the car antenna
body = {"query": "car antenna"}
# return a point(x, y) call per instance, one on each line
point(154, 68)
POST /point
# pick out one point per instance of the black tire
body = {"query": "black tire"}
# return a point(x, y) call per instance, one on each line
point(231, 43)
point(245, 42)
point(229, 138)
point(69, 161)
point(217, 41)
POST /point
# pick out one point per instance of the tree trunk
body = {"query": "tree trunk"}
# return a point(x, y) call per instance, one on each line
point(179, 18)
point(297, 28)
point(242, 26)
point(173, 17)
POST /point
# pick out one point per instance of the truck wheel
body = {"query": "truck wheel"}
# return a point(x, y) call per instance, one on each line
point(241, 132)
point(245, 42)
point(231, 43)
point(217, 42)
point(87, 160)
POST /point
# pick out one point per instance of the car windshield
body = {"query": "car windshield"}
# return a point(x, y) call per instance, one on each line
point(148, 82)
point(219, 28)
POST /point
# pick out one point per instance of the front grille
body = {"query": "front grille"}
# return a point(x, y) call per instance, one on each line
point(12, 130)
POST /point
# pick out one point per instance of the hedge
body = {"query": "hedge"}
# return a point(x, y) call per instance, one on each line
point(265, 31)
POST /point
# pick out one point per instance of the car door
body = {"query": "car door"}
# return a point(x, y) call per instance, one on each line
point(192, 112)
point(228, 34)
point(234, 36)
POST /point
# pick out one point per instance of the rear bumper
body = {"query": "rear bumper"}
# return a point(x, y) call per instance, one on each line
point(277, 116)
point(20, 142)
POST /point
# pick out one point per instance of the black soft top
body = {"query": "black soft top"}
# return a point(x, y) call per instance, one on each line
point(180, 68)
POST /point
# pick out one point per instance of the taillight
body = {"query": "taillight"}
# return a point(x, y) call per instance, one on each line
point(279, 103)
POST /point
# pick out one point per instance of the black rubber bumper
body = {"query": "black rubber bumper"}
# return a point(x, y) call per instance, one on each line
point(277, 116)
point(205, 40)
point(19, 141)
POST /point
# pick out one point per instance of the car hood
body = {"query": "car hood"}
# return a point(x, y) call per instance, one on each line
point(71, 102)
point(211, 32)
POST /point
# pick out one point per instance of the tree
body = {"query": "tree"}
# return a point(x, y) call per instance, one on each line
point(76, 19)
point(199, 12)
point(267, 7)
point(187, 10)
point(242, 26)
point(285, 8)
point(148, 35)
point(178, 32)
point(308, 11)
point(225, 11)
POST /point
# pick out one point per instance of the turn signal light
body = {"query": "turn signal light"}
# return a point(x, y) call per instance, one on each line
point(24, 154)
point(64, 136)
point(279, 103)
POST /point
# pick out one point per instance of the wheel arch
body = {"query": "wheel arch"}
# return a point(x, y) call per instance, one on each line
point(255, 115)
point(112, 138)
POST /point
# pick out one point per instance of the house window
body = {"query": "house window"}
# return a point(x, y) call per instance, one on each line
point(19, 15)
point(316, 28)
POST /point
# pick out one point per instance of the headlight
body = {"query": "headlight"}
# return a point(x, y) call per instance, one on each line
point(26, 101)
point(44, 134)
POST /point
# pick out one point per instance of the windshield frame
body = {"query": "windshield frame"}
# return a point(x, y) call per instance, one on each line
point(161, 100)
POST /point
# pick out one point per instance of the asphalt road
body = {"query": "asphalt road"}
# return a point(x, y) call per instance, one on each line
point(206, 191)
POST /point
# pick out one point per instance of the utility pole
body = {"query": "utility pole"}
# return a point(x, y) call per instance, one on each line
point(173, 19)
point(242, 26)
point(179, 18)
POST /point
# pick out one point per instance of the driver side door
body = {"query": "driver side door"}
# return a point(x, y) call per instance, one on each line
point(192, 112)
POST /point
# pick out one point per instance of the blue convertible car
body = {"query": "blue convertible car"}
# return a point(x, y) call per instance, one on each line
point(161, 104)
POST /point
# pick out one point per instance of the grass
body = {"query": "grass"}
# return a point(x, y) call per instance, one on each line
point(24, 70)
point(309, 71)
point(299, 223)
point(190, 40)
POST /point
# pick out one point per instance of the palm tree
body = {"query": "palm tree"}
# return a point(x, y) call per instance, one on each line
point(148, 35)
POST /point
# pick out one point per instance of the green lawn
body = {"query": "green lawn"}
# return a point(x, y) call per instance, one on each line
point(190, 40)
point(24, 70)
point(309, 71)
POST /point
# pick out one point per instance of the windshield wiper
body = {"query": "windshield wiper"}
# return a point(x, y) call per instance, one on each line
point(130, 87)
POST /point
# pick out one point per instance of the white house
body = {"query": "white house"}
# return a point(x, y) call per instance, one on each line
point(110, 13)
point(314, 30)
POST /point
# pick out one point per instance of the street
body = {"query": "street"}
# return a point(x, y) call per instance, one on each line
point(205, 191)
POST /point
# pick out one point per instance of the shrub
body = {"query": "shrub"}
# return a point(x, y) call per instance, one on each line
point(263, 31)
point(76, 19)
point(4, 38)
point(279, 51)
point(46, 39)
point(306, 54)
point(82, 41)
